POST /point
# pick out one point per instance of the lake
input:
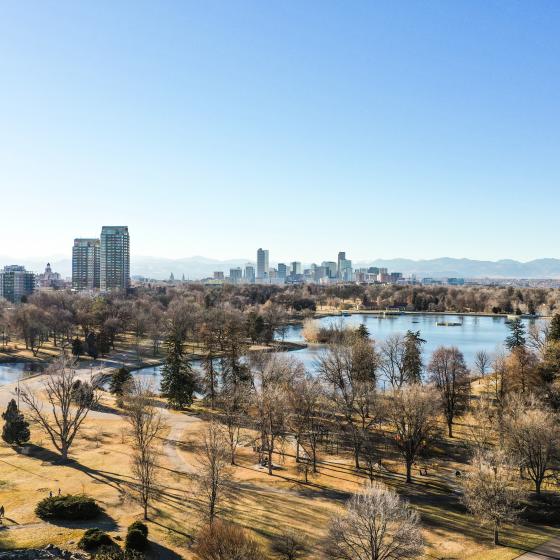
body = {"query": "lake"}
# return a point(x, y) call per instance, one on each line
point(474, 334)
point(12, 371)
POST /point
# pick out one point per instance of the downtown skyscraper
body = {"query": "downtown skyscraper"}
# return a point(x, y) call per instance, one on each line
point(263, 266)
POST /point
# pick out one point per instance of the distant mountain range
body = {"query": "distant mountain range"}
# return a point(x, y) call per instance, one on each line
point(201, 267)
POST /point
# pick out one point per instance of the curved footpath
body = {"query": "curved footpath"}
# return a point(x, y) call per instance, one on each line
point(178, 422)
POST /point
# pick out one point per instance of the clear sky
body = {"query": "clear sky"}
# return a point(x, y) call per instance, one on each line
point(387, 129)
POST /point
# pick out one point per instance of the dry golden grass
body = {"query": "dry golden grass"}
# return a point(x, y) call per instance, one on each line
point(267, 505)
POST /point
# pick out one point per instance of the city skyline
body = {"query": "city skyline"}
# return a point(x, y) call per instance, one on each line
point(417, 131)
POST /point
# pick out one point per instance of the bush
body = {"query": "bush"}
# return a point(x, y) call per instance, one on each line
point(71, 507)
point(136, 540)
point(227, 542)
point(114, 553)
point(94, 538)
point(142, 527)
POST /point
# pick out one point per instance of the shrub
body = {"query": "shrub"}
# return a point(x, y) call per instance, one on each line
point(71, 507)
point(226, 542)
point(114, 553)
point(136, 540)
point(94, 538)
point(142, 527)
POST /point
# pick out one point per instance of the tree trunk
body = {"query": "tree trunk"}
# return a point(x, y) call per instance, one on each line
point(270, 459)
point(408, 471)
point(356, 456)
point(538, 483)
point(450, 429)
point(496, 536)
point(145, 511)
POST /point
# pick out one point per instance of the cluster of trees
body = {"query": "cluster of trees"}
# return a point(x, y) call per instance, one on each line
point(480, 299)
point(92, 324)
point(271, 399)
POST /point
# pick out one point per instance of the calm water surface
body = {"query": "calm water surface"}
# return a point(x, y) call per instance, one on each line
point(474, 334)
point(11, 372)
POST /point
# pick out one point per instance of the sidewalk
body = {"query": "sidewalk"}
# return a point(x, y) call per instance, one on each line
point(547, 551)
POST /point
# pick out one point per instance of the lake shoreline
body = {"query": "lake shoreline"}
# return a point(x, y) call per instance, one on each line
point(320, 314)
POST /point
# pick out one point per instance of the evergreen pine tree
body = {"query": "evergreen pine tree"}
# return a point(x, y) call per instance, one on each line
point(516, 338)
point(362, 332)
point(118, 380)
point(178, 382)
point(412, 362)
point(554, 329)
point(77, 347)
point(16, 428)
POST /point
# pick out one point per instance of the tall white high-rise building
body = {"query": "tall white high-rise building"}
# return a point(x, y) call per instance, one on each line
point(85, 264)
point(262, 264)
point(114, 258)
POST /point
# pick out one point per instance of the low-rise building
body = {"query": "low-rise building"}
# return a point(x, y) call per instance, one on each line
point(16, 283)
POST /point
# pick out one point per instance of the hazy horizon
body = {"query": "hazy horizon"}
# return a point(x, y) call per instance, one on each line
point(415, 129)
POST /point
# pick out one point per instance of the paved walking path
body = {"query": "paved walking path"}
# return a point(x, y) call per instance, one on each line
point(178, 422)
point(547, 551)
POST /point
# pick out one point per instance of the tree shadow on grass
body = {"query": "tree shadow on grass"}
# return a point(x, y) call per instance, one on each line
point(99, 407)
point(159, 552)
point(102, 521)
point(42, 453)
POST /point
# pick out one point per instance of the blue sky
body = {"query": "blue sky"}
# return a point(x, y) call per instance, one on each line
point(388, 129)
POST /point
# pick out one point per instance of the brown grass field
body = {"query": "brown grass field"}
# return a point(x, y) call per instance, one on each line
point(265, 505)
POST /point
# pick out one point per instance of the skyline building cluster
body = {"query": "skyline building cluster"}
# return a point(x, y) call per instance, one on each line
point(102, 263)
point(327, 272)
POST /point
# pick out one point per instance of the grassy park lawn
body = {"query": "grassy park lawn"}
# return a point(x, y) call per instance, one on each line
point(266, 505)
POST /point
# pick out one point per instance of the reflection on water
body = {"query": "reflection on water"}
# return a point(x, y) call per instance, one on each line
point(11, 372)
point(472, 335)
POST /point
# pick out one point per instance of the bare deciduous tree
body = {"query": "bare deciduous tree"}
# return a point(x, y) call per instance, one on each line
point(377, 525)
point(482, 362)
point(449, 374)
point(393, 351)
point(234, 403)
point(305, 416)
point(490, 490)
point(412, 413)
point(273, 377)
point(213, 475)
point(146, 426)
point(533, 437)
point(67, 414)
point(291, 545)
point(350, 372)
